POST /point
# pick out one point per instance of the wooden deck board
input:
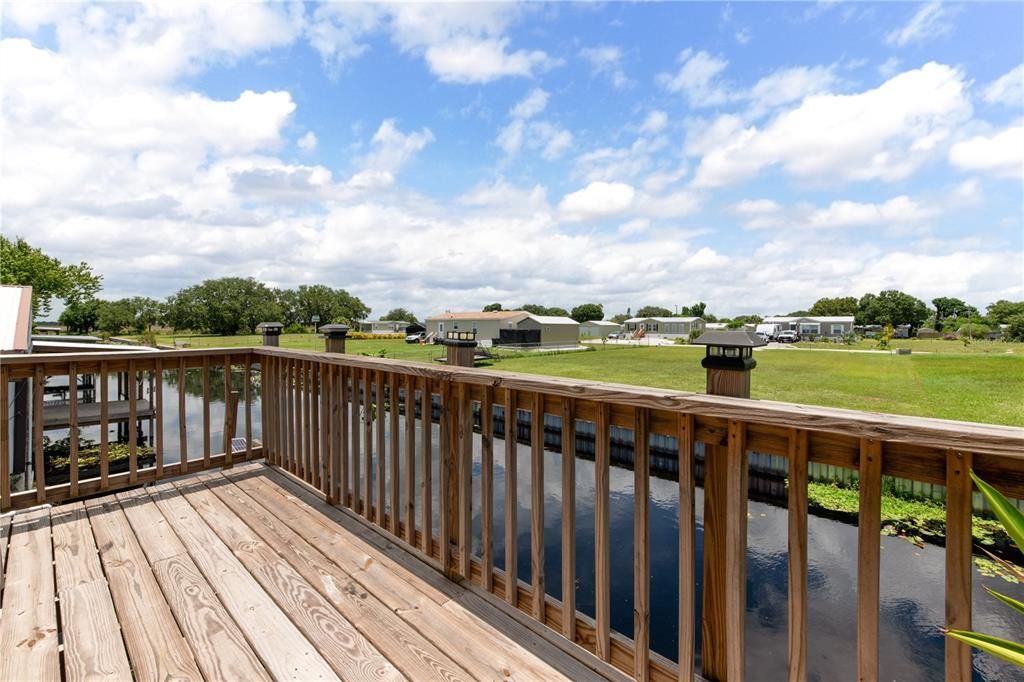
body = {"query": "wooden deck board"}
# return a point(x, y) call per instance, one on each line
point(155, 645)
point(246, 574)
point(28, 626)
point(93, 648)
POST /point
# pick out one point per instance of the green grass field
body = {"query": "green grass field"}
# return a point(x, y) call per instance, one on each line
point(975, 347)
point(979, 387)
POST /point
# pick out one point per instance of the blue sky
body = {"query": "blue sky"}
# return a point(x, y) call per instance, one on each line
point(755, 156)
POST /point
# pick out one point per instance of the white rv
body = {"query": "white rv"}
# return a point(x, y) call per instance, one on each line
point(768, 332)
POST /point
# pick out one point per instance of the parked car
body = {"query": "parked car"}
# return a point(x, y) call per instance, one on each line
point(416, 338)
point(788, 336)
point(616, 335)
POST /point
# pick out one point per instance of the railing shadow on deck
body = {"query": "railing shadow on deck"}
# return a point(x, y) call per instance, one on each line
point(336, 424)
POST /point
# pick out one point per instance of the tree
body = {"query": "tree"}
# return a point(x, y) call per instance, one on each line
point(114, 317)
point(492, 308)
point(891, 307)
point(620, 318)
point(24, 265)
point(798, 313)
point(946, 308)
point(740, 320)
point(585, 312)
point(80, 317)
point(653, 311)
point(695, 310)
point(223, 306)
point(330, 305)
point(1002, 310)
point(1015, 328)
point(834, 307)
point(535, 309)
point(400, 314)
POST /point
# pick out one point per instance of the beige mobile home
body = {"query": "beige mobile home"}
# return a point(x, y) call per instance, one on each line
point(665, 326)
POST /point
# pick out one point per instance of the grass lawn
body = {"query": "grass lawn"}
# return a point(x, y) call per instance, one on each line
point(980, 387)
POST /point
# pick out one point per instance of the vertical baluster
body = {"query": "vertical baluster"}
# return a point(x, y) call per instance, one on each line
point(73, 426)
point(247, 370)
point(410, 460)
point(396, 514)
point(735, 549)
point(487, 488)
point(315, 467)
point(343, 405)
point(158, 396)
point(569, 519)
point(869, 527)
point(38, 382)
point(357, 402)
point(226, 437)
point(323, 393)
point(133, 416)
point(446, 471)
point(537, 584)
point(308, 418)
point(464, 477)
point(380, 422)
point(369, 414)
point(687, 548)
point(268, 428)
point(511, 502)
point(5, 441)
point(294, 417)
point(105, 424)
point(426, 492)
point(797, 555)
point(206, 411)
point(329, 397)
point(602, 536)
point(958, 562)
point(641, 547)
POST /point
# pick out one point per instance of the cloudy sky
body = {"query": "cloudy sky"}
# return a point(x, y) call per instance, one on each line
point(753, 156)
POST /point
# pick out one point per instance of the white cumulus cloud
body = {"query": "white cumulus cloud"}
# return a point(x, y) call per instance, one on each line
point(597, 201)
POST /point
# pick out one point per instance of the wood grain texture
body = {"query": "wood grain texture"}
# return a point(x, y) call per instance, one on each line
point(73, 433)
point(206, 411)
point(104, 379)
point(155, 645)
point(410, 459)
point(380, 421)
point(687, 548)
point(158, 391)
point(283, 649)
point(358, 405)
point(369, 415)
point(958, 562)
point(28, 628)
point(182, 434)
point(736, 550)
point(230, 414)
point(247, 371)
point(464, 481)
point(426, 469)
point(344, 405)
point(413, 654)
point(797, 514)
point(602, 535)
point(394, 455)
point(344, 648)
point(133, 446)
point(447, 488)
point(537, 583)
point(641, 547)
point(511, 501)
point(869, 528)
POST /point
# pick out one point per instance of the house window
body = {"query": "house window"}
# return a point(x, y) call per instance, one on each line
point(440, 327)
point(807, 329)
point(837, 330)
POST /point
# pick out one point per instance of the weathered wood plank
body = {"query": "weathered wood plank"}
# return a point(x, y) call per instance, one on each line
point(396, 510)
point(511, 501)
point(73, 433)
point(687, 548)
point(736, 550)
point(641, 547)
point(380, 422)
point(342, 405)
point(447, 489)
point(410, 460)
point(426, 468)
point(154, 643)
point(464, 479)
point(958, 562)
point(602, 534)
point(869, 528)
point(105, 424)
point(369, 415)
point(247, 370)
point(39, 464)
point(182, 434)
point(230, 414)
point(282, 648)
point(357, 405)
point(93, 648)
point(133, 415)
point(5, 534)
point(344, 648)
point(537, 506)
point(206, 411)
point(413, 654)
point(28, 628)
point(797, 503)
point(158, 390)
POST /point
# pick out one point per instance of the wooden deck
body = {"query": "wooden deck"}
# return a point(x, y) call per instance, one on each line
point(245, 575)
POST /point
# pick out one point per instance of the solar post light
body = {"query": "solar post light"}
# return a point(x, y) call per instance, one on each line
point(728, 358)
point(334, 337)
point(461, 347)
point(271, 332)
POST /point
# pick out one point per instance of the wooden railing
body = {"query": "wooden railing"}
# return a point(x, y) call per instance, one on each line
point(355, 429)
point(24, 379)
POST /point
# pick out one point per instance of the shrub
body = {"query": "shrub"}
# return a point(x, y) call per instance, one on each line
point(1015, 329)
point(294, 328)
point(973, 331)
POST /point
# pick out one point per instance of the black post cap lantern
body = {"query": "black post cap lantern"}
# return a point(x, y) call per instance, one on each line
point(334, 331)
point(460, 338)
point(733, 350)
point(270, 328)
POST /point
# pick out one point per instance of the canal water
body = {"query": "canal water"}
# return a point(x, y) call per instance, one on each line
point(912, 582)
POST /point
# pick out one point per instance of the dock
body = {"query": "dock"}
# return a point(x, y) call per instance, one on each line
point(59, 416)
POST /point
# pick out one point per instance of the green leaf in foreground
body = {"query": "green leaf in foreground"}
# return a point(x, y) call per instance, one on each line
point(1005, 649)
point(1009, 601)
point(1009, 515)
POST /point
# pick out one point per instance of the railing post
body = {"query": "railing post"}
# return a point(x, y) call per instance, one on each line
point(334, 337)
point(271, 332)
point(729, 361)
